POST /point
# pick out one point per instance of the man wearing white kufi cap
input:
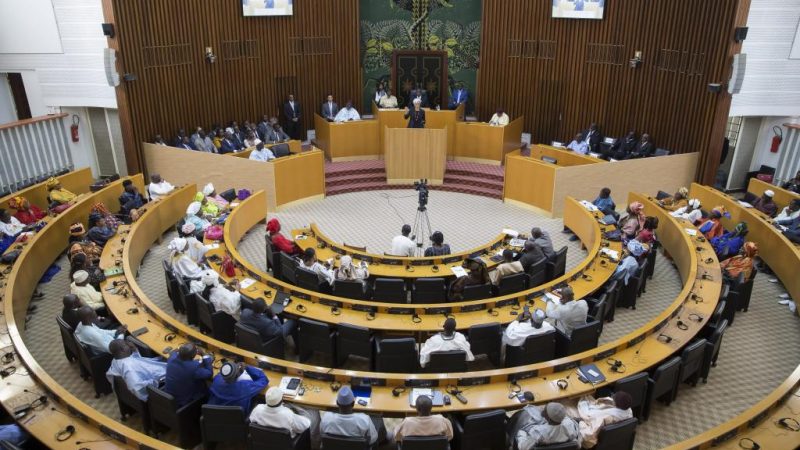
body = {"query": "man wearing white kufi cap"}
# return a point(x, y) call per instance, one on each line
point(224, 297)
point(194, 217)
point(81, 288)
point(182, 264)
point(277, 415)
point(544, 425)
point(527, 324)
point(766, 204)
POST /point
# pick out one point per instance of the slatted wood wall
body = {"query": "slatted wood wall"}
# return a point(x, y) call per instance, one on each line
point(563, 74)
point(259, 62)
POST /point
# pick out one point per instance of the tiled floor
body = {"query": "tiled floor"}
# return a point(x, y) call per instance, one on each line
point(759, 351)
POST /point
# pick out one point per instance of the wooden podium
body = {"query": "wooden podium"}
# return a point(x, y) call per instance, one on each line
point(415, 153)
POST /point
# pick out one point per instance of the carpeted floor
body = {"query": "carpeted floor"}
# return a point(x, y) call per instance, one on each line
point(757, 353)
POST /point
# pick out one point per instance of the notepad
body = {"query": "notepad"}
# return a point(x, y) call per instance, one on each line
point(589, 205)
point(213, 246)
point(691, 231)
point(613, 254)
point(458, 271)
point(552, 297)
point(246, 283)
point(300, 237)
point(745, 204)
point(517, 242)
point(436, 396)
point(510, 232)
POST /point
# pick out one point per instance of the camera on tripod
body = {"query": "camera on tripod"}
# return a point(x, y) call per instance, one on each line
point(421, 186)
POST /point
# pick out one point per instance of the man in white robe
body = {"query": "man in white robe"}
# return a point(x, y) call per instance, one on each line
point(449, 339)
point(543, 426)
point(182, 264)
point(194, 248)
point(158, 187)
point(346, 114)
point(324, 272)
point(277, 415)
point(567, 313)
point(595, 414)
point(261, 153)
point(526, 325)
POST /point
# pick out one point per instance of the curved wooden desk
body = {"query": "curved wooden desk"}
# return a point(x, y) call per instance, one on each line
point(393, 317)
point(63, 408)
point(488, 389)
point(295, 147)
point(782, 256)
point(782, 196)
point(396, 266)
point(77, 182)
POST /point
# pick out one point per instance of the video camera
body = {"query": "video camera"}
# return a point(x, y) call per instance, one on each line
point(421, 186)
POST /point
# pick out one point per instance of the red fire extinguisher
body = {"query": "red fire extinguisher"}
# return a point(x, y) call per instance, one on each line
point(777, 139)
point(74, 128)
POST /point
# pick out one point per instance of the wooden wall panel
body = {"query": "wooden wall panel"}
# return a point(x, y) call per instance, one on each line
point(686, 45)
point(259, 59)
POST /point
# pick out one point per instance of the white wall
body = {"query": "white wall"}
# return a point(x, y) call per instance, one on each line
point(83, 153)
point(8, 111)
point(28, 26)
point(762, 155)
point(772, 80)
point(73, 76)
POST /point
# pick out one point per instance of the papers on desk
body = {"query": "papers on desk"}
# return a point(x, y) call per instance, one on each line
point(246, 283)
point(300, 237)
point(745, 204)
point(613, 254)
point(436, 396)
point(458, 271)
point(213, 246)
point(550, 297)
point(290, 386)
point(591, 374)
point(594, 155)
point(589, 205)
point(691, 231)
point(517, 242)
point(510, 232)
point(233, 205)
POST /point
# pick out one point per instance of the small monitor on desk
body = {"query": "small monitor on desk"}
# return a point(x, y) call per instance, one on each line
point(610, 141)
point(550, 160)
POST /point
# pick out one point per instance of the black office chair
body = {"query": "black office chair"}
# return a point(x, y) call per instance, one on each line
point(651, 260)
point(642, 281)
point(485, 339)
point(389, 290)
point(663, 384)
point(187, 300)
point(130, 404)
point(95, 367)
point(536, 348)
point(691, 362)
point(742, 291)
point(141, 347)
point(636, 387)
point(449, 361)
point(583, 338)
point(272, 255)
point(316, 337)
point(612, 290)
point(558, 266)
point(307, 279)
point(171, 287)
point(248, 339)
point(349, 289)
point(477, 292)
point(219, 324)
point(537, 273)
point(513, 283)
point(222, 424)
point(429, 290)
point(356, 341)
point(424, 443)
point(714, 320)
point(629, 292)
point(617, 436)
point(396, 355)
point(712, 350)
point(269, 438)
point(288, 267)
point(70, 345)
point(481, 431)
point(331, 442)
point(164, 412)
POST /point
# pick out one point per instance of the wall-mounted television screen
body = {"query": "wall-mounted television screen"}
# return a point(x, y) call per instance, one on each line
point(257, 8)
point(578, 9)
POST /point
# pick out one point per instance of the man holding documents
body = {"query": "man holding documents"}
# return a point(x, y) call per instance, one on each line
point(567, 313)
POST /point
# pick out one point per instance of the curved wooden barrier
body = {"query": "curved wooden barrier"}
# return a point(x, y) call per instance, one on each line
point(77, 182)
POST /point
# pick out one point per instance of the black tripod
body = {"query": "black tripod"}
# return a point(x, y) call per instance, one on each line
point(422, 229)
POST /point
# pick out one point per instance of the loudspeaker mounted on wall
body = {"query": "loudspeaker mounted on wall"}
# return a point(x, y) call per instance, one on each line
point(110, 65)
point(740, 34)
point(108, 29)
point(737, 74)
point(714, 88)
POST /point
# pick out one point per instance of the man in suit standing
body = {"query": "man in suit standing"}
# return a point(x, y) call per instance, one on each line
point(459, 96)
point(330, 109)
point(291, 110)
point(593, 138)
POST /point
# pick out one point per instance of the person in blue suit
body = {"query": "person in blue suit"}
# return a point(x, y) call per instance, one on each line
point(236, 384)
point(459, 96)
point(578, 5)
point(186, 377)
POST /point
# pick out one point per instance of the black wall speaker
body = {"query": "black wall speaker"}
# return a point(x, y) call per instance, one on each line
point(740, 34)
point(108, 29)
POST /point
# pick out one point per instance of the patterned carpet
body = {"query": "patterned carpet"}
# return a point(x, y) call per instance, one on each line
point(730, 390)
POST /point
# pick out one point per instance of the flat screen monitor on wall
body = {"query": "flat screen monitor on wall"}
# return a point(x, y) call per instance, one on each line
point(258, 8)
point(579, 9)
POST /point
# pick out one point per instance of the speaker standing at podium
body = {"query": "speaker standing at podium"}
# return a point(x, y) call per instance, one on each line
point(415, 116)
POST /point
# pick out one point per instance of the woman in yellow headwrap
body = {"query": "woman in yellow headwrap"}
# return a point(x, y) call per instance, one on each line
point(677, 201)
point(741, 263)
point(207, 207)
point(60, 198)
point(26, 213)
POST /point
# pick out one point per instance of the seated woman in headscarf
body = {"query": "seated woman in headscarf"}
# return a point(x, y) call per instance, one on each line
point(477, 275)
point(690, 212)
point(60, 198)
point(712, 226)
point(79, 244)
point(11, 230)
point(100, 233)
point(208, 208)
point(100, 210)
point(630, 261)
point(25, 212)
point(349, 272)
point(648, 234)
point(79, 261)
point(194, 215)
point(731, 242)
point(279, 242)
point(632, 223)
point(677, 201)
point(741, 263)
point(182, 265)
point(195, 249)
point(224, 297)
point(213, 197)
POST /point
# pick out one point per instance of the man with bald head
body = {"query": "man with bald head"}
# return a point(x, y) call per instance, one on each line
point(448, 340)
point(186, 377)
point(92, 336)
point(137, 372)
point(70, 315)
point(424, 424)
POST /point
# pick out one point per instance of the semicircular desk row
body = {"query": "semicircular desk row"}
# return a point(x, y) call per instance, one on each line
point(639, 350)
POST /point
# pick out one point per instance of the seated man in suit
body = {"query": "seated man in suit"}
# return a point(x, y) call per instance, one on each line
point(623, 148)
point(347, 114)
point(228, 145)
point(593, 137)
point(449, 339)
point(420, 94)
point(186, 377)
point(543, 240)
point(262, 319)
point(329, 109)
point(276, 134)
point(644, 149)
point(579, 145)
point(459, 96)
point(424, 424)
point(130, 200)
point(531, 254)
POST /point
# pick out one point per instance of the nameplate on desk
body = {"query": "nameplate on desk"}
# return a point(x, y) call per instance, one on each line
point(274, 285)
point(298, 294)
point(439, 310)
point(365, 308)
point(473, 381)
point(76, 413)
point(113, 434)
point(421, 262)
point(358, 381)
point(724, 437)
point(407, 311)
point(265, 365)
point(327, 302)
point(338, 250)
point(452, 259)
point(317, 376)
point(506, 302)
point(472, 308)
point(365, 258)
point(566, 366)
point(497, 244)
point(523, 375)
point(392, 262)
point(422, 383)
point(170, 327)
point(755, 421)
point(635, 341)
point(534, 295)
point(604, 354)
